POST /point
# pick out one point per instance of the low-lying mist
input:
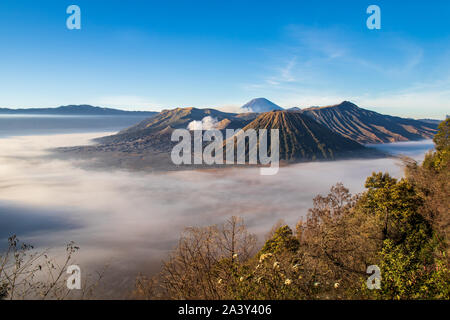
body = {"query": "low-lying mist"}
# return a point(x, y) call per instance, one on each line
point(131, 220)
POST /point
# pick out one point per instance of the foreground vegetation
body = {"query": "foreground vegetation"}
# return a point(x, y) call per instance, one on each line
point(402, 226)
point(26, 273)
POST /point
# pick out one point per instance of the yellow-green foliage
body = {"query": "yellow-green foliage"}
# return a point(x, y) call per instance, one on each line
point(283, 239)
point(406, 277)
point(439, 160)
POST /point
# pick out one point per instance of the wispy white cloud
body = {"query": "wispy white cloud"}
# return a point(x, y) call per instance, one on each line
point(390, 73)
point(284, 74)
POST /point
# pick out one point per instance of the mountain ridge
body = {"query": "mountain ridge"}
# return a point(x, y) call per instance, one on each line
point(148, 144)
point(303, 139)
point(366, 126)
point(83, 109)
point(178, 118)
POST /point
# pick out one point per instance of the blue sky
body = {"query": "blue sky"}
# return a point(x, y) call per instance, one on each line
point(162, 54)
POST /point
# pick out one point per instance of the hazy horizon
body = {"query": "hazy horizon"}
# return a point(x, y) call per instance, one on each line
point(231, 109)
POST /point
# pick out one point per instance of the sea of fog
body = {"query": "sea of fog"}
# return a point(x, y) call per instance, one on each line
point(13, 125)
point(130, 220)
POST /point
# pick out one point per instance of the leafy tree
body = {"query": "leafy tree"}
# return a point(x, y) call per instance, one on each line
point(396, 204)
point(283, 239)
point(442, 138)
point(406, 277)
point(439, 160)
point(407, 261)
point(431, 180)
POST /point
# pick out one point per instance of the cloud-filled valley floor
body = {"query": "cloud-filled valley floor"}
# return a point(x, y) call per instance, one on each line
point(132, 219)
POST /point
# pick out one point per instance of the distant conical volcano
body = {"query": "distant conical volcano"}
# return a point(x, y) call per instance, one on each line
point(260, 105)
point(302, 138)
